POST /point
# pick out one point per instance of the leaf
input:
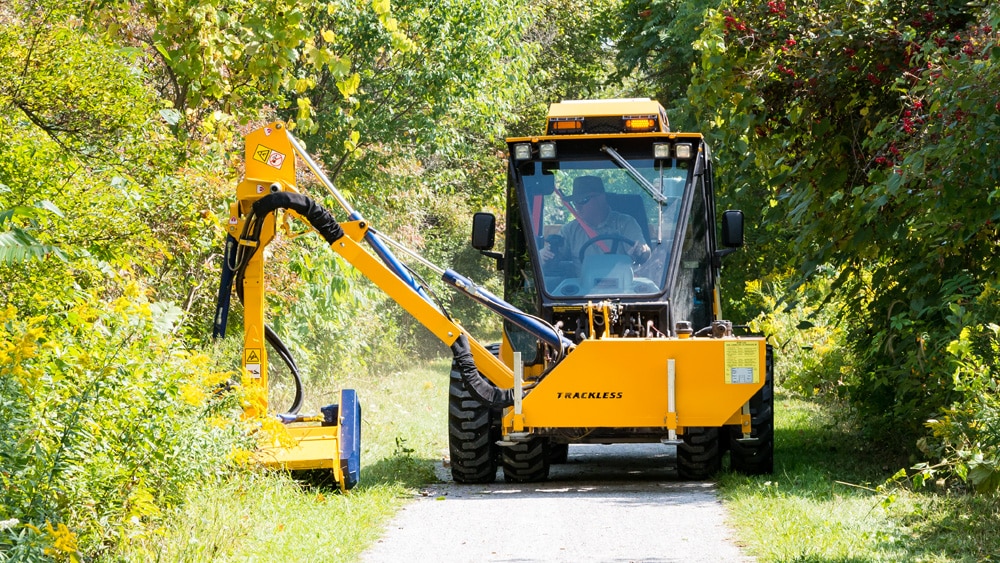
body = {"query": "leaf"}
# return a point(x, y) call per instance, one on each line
point(349, 85)
point(171, 116)
point(17, 246)
point(328, 36)
point(381, 7)
point(165, 316)
point(163, 52)
point(352, 143)
point(984, 476)
point(341, 66)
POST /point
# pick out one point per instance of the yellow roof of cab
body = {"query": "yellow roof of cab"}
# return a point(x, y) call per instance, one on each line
point(594, 108)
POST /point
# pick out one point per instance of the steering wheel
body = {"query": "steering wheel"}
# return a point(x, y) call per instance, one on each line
point(606, 236)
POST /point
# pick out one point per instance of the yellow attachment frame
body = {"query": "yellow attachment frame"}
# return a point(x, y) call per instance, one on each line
point(270, 167)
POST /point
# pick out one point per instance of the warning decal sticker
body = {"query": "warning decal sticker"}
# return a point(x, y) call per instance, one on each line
point(261, 153)
point(269, 156)
point(742, 362)
point(251, 361)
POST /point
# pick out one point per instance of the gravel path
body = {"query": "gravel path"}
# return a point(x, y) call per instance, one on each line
point(608, 503)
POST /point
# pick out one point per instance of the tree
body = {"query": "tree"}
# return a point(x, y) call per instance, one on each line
point(831, 107)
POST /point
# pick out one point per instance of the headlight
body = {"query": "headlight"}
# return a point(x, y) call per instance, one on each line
point(522, 151)
point(661, 150)
point(547, 150)
point(684, 150)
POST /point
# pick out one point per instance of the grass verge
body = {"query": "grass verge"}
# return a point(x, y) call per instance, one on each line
point(827, 501)
point(271, 516)
point(831, 499)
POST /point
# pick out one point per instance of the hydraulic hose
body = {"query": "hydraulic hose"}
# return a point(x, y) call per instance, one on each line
point(279, 346)
point(324, 223)
point(480, 387)
point(314, 213)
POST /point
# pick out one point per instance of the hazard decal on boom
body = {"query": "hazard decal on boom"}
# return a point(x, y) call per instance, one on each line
point(268, 156)
point(252, 362)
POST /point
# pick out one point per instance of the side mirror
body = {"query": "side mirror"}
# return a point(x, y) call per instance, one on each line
point(484, 231)
point(732, 229)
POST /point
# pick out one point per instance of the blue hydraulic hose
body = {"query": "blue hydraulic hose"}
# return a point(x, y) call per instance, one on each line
point(390, 260)
point(531, 324)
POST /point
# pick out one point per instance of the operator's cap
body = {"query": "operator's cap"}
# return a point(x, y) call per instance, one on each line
point(586, 187)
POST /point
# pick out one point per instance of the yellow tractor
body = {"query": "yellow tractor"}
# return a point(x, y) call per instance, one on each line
point(611, 312)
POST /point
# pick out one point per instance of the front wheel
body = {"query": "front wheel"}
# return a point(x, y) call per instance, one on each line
point(699, 456)
point(473, 431)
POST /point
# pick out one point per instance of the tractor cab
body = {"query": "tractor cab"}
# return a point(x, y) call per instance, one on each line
point(610, 208)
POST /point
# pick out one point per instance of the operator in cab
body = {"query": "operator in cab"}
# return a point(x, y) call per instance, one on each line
point(594, 217)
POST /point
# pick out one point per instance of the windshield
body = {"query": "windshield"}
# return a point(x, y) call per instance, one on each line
point(596, 231)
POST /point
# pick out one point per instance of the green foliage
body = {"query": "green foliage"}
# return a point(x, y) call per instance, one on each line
point(105, 420)
point(830, 500)
point(812, 361)
point(335, 321)
point(16, 243)
point(824, 115)
point(657, 42)
point(965, 439)
point(229, 58)
point(426, 86)
point(76, 87)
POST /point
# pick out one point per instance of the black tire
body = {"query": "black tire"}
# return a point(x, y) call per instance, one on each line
point(558, 453)
point(473, 431)
point(756, 456)
point(526, 462)
point(699, 456)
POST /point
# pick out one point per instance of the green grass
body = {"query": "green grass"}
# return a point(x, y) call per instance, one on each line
point(827, 500)
point(271, 516)
point(830, 500)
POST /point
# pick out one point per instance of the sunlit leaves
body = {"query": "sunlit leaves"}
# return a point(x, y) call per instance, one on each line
point(93, 421)
point(869, 124)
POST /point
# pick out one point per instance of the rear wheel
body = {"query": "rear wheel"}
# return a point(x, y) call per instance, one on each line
point(526, 462)
point(756, 455)
point(473, 431)
point(699, 456)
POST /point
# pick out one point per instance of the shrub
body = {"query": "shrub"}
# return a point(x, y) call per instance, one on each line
point(811, 359)
point(105, 419)
point(965, 438)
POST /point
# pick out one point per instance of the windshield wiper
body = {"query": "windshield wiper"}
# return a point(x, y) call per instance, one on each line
point(646, 185)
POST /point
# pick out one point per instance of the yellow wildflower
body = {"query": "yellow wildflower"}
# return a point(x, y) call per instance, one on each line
point(218, 421)
point(239, 456)
point(275, 433)
point(211, 379)
point(7, 313)
point(192, 394)
point(63, 542)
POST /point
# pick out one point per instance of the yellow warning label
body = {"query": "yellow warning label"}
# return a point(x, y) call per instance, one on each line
point(252, 356)
point(261, 153)
point(742, 362)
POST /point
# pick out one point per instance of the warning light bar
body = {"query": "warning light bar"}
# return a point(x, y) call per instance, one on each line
point(640, 123)
point(566, 124)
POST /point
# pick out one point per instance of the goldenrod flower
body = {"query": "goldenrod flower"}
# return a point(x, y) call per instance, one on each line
point(63, 542)
point(220, 422)
point(192, 394)
point(239, 456)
